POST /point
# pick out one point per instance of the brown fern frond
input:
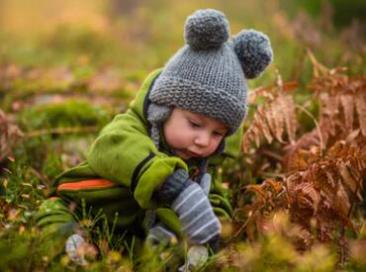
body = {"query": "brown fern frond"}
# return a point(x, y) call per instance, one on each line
point(318, 68)
point(306, 196)
point(341, 97)
point(255, 94)
point(264, 126)
point(269, 195)
point(347, 101)
point(328, 112)
point(276, 186)
point(337, 179)
point(325, 191)
point(275, 117)
point(290, 118)
point(326, 167)
point(297, 158)
point(361, 109)
point(342, 111)
point(258, 190)
point(304, 199)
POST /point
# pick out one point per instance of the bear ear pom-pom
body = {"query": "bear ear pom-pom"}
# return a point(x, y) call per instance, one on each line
point(206, 29)
point(254, 51)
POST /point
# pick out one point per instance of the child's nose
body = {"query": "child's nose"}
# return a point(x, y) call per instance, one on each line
point(203, 139)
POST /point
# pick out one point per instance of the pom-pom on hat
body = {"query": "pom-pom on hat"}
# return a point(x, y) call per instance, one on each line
point(206, 29)
point(208, 75)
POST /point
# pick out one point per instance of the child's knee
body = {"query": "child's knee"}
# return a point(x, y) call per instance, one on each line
point(54, 219)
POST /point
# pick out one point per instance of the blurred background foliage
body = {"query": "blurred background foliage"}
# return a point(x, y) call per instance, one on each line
point(104, 49)
point(142, 35)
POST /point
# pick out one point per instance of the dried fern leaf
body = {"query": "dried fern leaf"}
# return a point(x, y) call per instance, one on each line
point(264, 125)
point(318, 68)
point(255, 94)
point(342, 205)
point(361, 110)
point(272, 119)
point(278, 124)
point(275, 185)
point(288, 107)
point(258, 190)
point(352, 183)
point(347, 102)
point(306, 197)
point(329, 111)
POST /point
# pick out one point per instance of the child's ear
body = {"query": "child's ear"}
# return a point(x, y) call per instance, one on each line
point(254, 51)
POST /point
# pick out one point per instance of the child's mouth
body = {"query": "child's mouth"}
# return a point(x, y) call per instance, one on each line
point(186, 154)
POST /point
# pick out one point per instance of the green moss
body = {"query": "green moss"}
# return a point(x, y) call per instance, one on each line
point(66, 114)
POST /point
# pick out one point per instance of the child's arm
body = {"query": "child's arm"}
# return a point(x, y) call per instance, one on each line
point(125, 154)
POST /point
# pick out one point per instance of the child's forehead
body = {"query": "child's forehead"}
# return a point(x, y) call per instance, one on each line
point(197, 115)
point(203, 118)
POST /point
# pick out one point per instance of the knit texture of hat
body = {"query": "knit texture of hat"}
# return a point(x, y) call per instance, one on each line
point(208, 75)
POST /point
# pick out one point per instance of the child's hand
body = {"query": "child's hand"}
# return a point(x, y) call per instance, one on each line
point(205, 183)
point(190, 202)
point(77, 249)
point(196, 214)
point(160, 235)
point(196, 258)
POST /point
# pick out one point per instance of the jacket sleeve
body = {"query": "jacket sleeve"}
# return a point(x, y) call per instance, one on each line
point(125, 154)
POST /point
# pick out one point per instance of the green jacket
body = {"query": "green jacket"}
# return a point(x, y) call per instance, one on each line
point(124, 155)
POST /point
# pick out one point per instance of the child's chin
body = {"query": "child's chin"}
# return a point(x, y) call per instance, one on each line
point(183, 155)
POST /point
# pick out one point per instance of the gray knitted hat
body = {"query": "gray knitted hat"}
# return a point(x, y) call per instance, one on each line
point(208, 75)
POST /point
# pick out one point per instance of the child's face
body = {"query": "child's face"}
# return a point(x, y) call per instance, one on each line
point(191, 134)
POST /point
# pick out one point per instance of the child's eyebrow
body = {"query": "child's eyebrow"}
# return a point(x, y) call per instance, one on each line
point(222, 130)
point(202, 119)
point(195, 116)
point(196, 119)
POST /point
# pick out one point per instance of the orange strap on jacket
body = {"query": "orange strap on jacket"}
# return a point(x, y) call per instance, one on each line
point(86, 185)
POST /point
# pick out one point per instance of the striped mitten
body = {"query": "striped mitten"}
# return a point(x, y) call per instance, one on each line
point(72, 247)
point(194, 210)
point(196, 214)
point(160, 235)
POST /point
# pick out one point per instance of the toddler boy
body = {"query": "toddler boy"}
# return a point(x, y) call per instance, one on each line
point(147, 170)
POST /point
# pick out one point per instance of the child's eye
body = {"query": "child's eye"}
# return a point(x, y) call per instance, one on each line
point(194, 124)
point(218, 134)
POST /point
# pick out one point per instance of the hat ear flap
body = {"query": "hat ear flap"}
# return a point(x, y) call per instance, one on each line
point(254, 51)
